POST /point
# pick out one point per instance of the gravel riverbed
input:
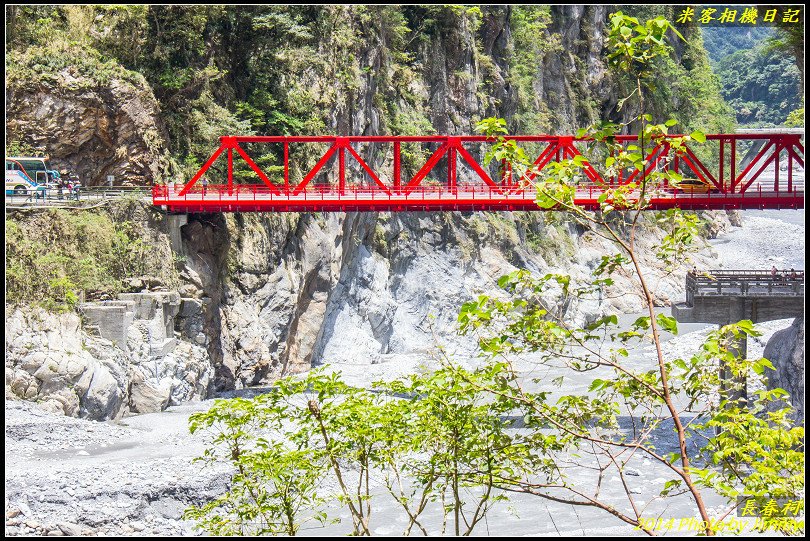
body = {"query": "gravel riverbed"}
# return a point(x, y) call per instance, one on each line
point(67, 476)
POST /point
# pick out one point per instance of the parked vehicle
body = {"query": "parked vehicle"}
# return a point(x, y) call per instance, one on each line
point(25, 175)
point(694, 185)
point(18, 183)
point(36, 168)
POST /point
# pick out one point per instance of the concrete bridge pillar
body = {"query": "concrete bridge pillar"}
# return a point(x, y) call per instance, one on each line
point(175, 222)
point(737, 312)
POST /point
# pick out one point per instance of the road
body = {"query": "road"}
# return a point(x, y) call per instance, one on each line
point(87, 197)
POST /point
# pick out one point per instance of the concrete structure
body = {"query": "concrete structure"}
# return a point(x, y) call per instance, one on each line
point(175, 222)
point(111, 319)
point(157, 310)
point(728, 296)
point(154, 310)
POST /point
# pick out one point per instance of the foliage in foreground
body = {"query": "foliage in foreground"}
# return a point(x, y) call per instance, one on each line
point(445, 441)
point(456, 442)
point(52, 257)
point(427, 440)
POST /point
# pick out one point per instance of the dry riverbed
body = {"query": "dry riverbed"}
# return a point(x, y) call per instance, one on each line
point(67, 476)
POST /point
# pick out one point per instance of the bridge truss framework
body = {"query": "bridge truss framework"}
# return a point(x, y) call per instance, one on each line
point(334, 173)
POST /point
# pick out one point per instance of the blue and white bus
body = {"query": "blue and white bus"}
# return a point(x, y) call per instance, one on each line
point(27, 175)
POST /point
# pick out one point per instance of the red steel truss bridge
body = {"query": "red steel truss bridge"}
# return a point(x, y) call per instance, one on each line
point(756, 170)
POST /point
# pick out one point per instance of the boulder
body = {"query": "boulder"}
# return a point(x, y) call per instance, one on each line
point(104, 397)
point(785, 350)
point(148, 396)
point(69, 528)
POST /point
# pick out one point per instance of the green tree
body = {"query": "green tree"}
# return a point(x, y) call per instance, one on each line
point(55, 256)
point(274, 482)
point(771, 464)
point(429, 438)
point(761, 84)
point(445, 439)
point(795, 118)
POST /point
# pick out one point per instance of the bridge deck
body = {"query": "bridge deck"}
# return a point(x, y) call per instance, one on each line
point(218, 198)
point(744, 283)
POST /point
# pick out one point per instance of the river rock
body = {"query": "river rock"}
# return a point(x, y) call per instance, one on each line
point(147, 396)
point(104, 395)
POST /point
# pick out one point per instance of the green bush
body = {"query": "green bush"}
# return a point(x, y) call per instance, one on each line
point(50, 63)
point(54, 256)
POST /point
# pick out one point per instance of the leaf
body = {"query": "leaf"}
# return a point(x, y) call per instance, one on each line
point(598, 385)
point(669, 324)
point(642, 323)
point(677, 33)
point(671, 485)
point(747, 326)
point(760, 366)
point(698, 136)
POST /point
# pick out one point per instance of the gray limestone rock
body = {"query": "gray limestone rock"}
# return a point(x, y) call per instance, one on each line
point(69, 528)
point(148, 396)
point(52, 359)
point(104, 397)
point(785, 350)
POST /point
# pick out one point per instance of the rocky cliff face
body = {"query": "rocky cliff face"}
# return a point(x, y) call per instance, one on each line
point(465, 68)
point(372, 293)
point(91, 129)
point(260, 296)
point(377, 293)
point(136, 351)
point(573, 78)
point(785, 350)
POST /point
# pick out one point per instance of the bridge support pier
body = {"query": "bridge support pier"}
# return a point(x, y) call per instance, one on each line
point(724, 297)
point(175, 222)
point(737, 312)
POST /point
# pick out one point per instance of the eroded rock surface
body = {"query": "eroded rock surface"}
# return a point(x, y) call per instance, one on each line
point(92, 130)
point(124, 358)
point(785, 350)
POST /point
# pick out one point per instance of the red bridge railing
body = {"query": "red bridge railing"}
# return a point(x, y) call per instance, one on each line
point(452, 177)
